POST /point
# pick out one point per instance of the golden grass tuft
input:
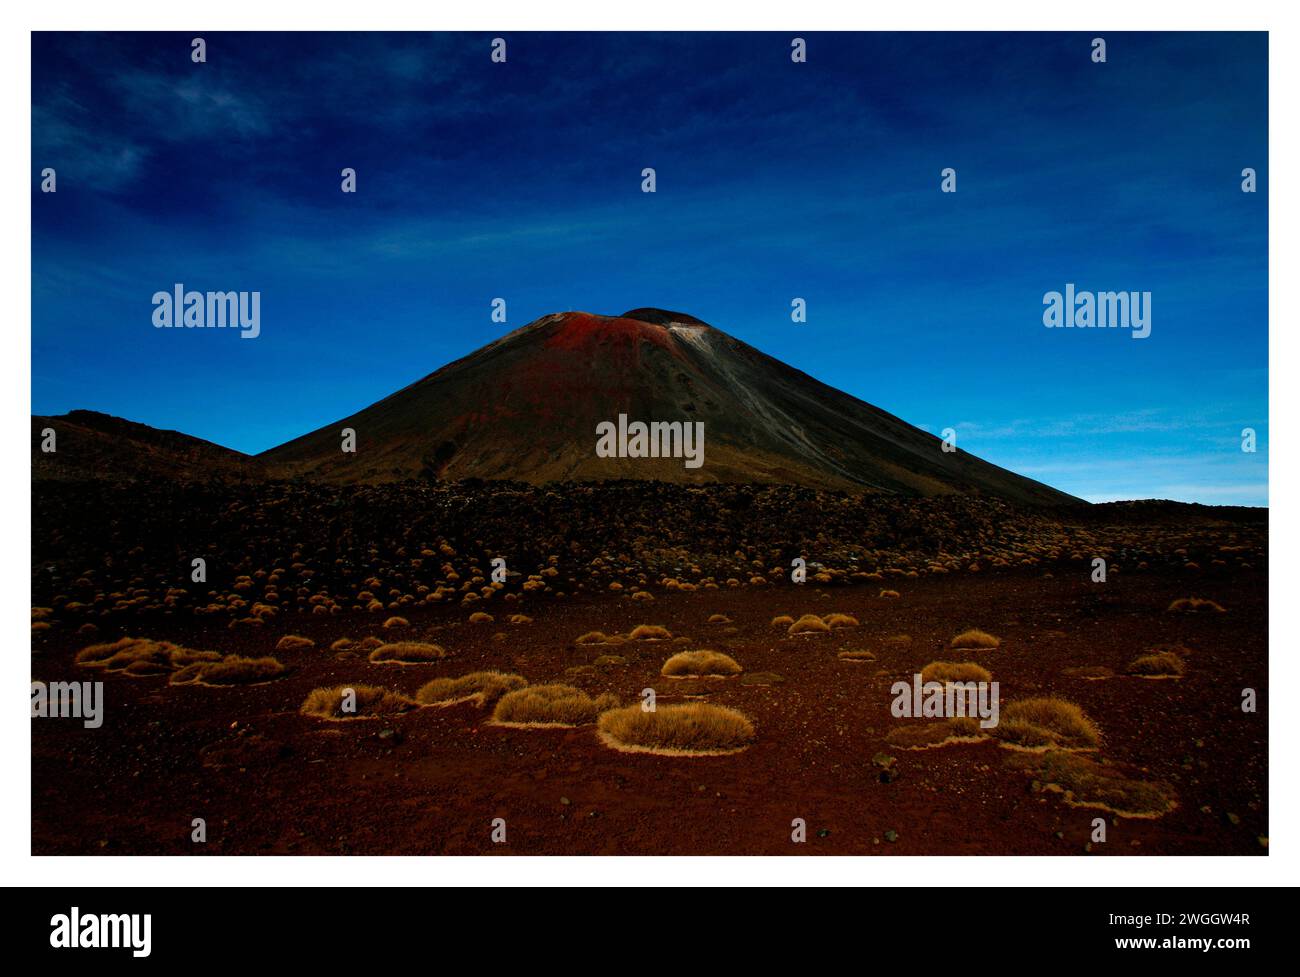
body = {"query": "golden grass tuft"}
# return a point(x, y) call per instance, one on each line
point(550, 705)
point(650, 632)
point(396, 622)
point(1087, 783)
point(144, 667)
point(480, 617)
point(1046, 723)
point(856, 656)
point(520, 619)
point(719, 619)
point(1196, 605)
point(782, 621)
point(99, 655)
point(836, 621)
point(596, 638)
point(897, 640)
point(480, 688)
point(927, 736)
point(371, 702)
point(890, 594)
point(141, 656)
point(808, 624)
point(975, 638)
point(688, 664)
point(955, 672)
point(408, 653)
point(1164, 664)
point(688, 729)
point(294, 642)
point(343, 644)
point(231, 670)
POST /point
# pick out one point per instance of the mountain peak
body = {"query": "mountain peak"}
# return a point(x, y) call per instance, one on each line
point(662, 317)
point(528, 407)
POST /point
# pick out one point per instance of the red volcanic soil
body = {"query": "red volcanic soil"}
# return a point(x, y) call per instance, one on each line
point(269, 780)
point(580, 331)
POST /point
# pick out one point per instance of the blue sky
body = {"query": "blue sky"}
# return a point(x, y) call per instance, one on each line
point(775, 180)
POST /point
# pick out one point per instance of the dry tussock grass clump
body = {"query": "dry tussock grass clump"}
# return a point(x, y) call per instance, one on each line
point(890, 594)
point(598, 638)
point(927, 736)
point(294, 642)
point(231, 670)
point(808, 624)
point(689, 729)
point(782, 621)
point(700, 664)
point(719, 619)
point(396, 622)
point(371, 643)
point(1087, 783)
point(550, 705)
point(480, 617)
point(342, 644)
point(365, 702)
point(955, 672)
point(408, 653)
point(1164, 664)
point(650, 632)
point(1196, 605)
point(975, 638)
point(1046, 723)
point(479, 688)
point(141, 656)
point(898, 640)
point(520, 619)
point(856, 656)
point(836, 621)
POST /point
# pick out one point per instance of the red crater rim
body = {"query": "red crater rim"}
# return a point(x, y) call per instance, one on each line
point(578, 330)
